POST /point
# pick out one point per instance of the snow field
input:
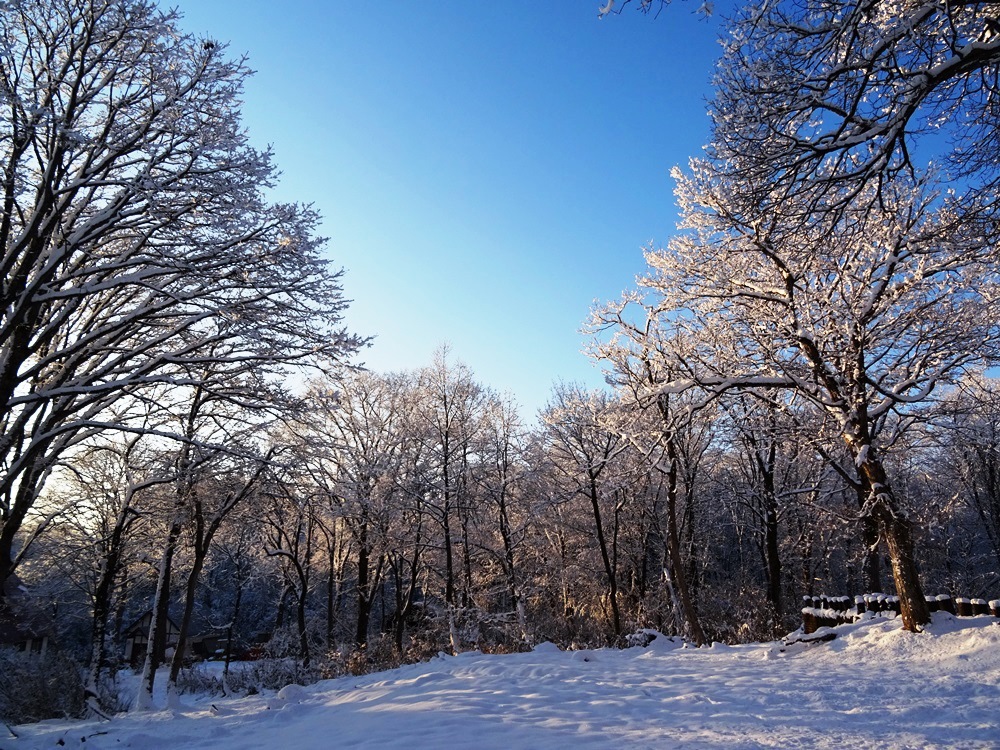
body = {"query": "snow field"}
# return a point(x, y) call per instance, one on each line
point(874, 686)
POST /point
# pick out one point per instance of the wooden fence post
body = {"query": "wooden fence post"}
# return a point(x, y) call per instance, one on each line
point(828, 611)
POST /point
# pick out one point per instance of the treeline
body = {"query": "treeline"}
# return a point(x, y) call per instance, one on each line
point(402, 515)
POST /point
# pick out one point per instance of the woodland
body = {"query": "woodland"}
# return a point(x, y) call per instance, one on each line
point(799, 394)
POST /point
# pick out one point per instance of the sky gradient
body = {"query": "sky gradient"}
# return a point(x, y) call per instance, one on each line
point(485, 170)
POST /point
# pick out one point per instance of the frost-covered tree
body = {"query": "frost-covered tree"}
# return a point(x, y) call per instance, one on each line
point(827, 95)
point(760, 441)
point(503, 479)
point(641, 357)
point(864, 311)
point(110, 479)
point(353, 442)
point(135, 237)
point(844, 220)
point(447, 419)
point(970, 455)
point(291, 519)
point(581, 449)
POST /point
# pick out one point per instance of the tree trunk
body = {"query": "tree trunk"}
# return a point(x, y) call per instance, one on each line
point(771, 551)
point(334, 587)
point(364, 600)
point(449, 560)
point(156, 645)
point(609, 570)
point(279, 618)
point(300, 612)
point(102, 610)
point(463, 517)
point(11, 524)
point(674, 550)
point(185, 624)
point(764, 459)
point(897, 531)
point(693, 625)
point(229, 633)
point(871, 568)
point(510, 569)
point(403, 598)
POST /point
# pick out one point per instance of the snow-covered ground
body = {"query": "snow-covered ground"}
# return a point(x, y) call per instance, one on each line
point(874, 686)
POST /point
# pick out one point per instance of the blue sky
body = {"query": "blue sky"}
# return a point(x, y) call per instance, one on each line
point(485, 170)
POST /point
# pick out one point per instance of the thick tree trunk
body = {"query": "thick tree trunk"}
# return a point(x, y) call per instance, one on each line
point(897, 532)
point(674, 550)
point(899, 539)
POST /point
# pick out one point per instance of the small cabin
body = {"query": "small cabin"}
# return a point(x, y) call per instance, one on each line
point(28, 640)
point(136, 638)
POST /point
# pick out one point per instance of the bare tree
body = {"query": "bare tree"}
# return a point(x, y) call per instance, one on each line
point(135, 237)
point(835, 96)
point(502, 482)
point(832, 123)
point(971, 451)
point(641, 358)
point(107, 481)
point(863, 318)
point(581, 450)
point(756, 424)
point(354, 437)
point(447, 421)
point(227, 481)
point(114, 540)
point(290, 537)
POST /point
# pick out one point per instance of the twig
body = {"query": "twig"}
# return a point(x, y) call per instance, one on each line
point(12, 732)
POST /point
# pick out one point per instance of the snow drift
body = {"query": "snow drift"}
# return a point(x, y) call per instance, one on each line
point(873, 686)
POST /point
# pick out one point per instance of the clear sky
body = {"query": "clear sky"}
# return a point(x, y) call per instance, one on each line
point(485, 169)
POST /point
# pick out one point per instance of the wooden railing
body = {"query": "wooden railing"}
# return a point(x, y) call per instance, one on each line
point(827, 611)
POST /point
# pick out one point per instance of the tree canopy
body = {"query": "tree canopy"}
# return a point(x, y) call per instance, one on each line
point(139, 246)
